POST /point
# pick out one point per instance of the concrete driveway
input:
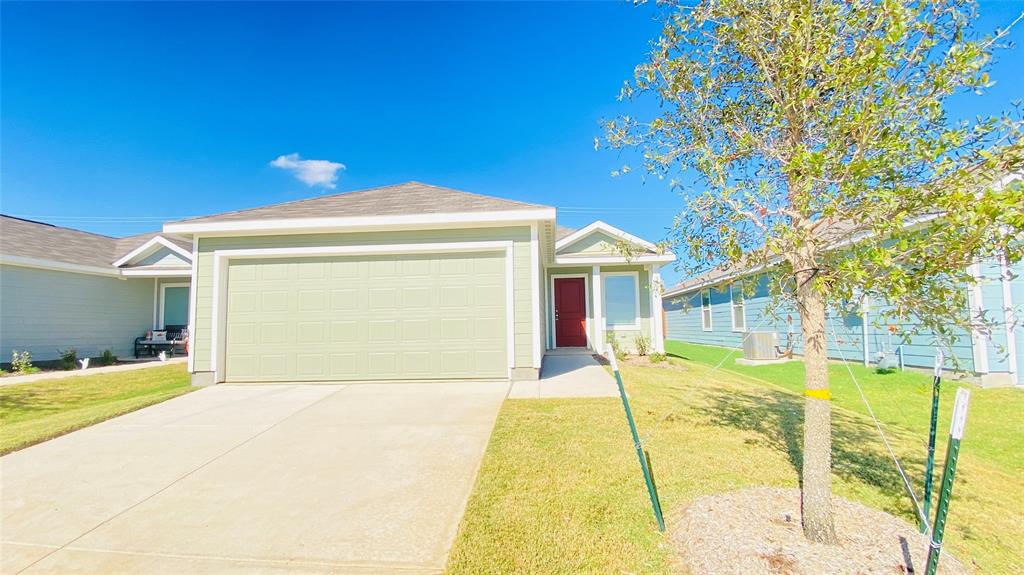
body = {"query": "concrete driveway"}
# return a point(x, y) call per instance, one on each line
point(365, 478)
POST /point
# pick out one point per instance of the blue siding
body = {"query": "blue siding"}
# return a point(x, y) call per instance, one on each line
point(1017, 296)
point(42, 311)
point(992, 303)
point(683, 323)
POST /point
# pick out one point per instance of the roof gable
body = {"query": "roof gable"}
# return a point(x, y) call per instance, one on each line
point(158, 251)
point(599, 238)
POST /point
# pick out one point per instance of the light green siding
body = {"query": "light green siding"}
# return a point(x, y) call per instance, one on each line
point(522, 286)
point(595, 243)
point(42, 311)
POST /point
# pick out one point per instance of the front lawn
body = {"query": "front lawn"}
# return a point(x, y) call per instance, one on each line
point(34, 412)
point(560, 489)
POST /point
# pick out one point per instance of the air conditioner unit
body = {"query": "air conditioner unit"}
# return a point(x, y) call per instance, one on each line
point(760, 345)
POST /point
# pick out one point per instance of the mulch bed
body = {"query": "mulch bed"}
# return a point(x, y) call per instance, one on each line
point(642, 361)
point(758, 531)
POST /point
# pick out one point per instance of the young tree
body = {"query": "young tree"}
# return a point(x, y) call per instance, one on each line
point(809, 137)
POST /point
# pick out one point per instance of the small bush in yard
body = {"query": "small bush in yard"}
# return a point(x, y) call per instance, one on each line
point(620, 354)
point(657, 357)
point(108, 357)
point(643, 345)
point(68, 358)
point(21, 363)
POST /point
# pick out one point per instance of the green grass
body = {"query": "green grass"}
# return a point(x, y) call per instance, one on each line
point(34, 412)
point(560, 489)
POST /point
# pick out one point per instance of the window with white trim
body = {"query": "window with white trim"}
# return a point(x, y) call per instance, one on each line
point(705, 309)
point(739, 310)
point(621, 295)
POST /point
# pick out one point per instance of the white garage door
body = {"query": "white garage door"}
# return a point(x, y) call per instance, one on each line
point(437, 316)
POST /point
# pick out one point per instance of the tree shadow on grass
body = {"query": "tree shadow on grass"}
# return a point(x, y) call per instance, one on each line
point(777, 420)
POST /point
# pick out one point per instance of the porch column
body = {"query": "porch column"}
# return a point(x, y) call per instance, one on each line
point(657, 326)
point(598, 329)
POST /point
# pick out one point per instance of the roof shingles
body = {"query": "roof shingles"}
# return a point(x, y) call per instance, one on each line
point(399, 199)
point(42, 241)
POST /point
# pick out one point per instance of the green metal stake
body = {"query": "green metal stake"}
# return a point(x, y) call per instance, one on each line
point(930, 465)
point(956, 433)
point(655, 503)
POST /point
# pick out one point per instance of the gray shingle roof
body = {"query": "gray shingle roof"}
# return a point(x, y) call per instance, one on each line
point(38, 240)
point(399, 199)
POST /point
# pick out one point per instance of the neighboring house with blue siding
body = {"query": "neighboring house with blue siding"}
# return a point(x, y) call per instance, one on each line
point(712, 309)
point(62, 288)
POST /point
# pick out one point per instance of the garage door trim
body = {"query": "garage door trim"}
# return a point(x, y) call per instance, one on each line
point(221, 258)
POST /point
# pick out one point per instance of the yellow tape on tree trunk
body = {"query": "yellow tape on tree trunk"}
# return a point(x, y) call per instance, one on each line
point(819, 394)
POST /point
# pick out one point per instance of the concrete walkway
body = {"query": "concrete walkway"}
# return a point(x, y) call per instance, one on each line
point(570, 375)
point(16, 379)
point(369, 478)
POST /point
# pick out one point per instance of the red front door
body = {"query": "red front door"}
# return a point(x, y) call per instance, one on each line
point(570, 312)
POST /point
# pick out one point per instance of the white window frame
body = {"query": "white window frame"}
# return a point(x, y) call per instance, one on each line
point(733, 305)
point(636, 300)
point(709, 326)
point(163, 299)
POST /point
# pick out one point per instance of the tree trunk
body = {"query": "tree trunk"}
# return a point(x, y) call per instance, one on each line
point(816, 476)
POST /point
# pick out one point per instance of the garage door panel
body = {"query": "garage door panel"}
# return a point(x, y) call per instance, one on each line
point(344, 332)
point(389, 317)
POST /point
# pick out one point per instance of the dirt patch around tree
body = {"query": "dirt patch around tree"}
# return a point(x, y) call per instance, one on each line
point(758, 531)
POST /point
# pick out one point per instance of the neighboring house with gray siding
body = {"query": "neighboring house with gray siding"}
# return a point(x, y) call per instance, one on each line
point(63, 288)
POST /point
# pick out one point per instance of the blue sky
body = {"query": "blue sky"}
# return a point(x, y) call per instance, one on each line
point(118, 116)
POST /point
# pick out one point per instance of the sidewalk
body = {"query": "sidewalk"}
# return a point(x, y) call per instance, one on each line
point(573, 375)
point(32, 377)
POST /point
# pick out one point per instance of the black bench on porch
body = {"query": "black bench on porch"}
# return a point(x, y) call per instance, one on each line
point(167, 339)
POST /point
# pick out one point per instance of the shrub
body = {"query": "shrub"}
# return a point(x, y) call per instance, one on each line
point(620, 354)
point(21, 363)
point(657, 357)
point(68, 358)
point(643, 345)
point(108, 357)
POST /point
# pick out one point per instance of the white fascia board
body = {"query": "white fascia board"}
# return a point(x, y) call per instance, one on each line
point(183, 272)
point(151, 246)
point(592, 260)
point(606, 228)
point(42, 264)
point(358, 223)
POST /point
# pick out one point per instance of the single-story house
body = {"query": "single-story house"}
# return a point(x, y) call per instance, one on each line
point(714, 309)
point(408, 282)
point(402, 282)
point(62, 288)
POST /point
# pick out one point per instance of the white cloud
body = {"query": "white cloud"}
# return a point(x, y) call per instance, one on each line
point(310, 172)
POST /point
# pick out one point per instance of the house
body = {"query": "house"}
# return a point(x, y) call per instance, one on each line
point(62, 288)
point(715, 309)
point(408, 282)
